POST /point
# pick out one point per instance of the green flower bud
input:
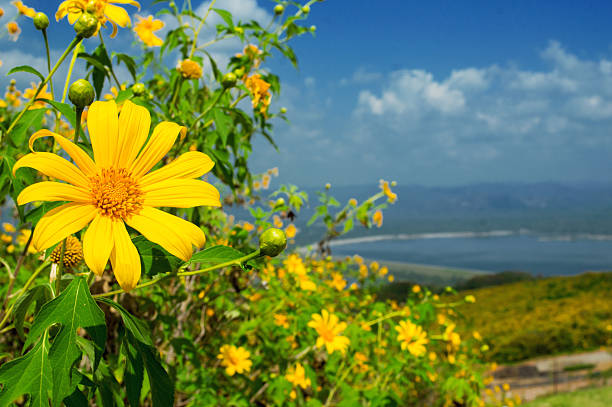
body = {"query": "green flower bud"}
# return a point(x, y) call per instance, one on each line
point(239, 30)
point(239, 72)
point(306, 9)
point(313, 28)
point(278, 9)
point(283, 110)
point(272, 242)
point(229, 80)
point(279, 202)
point(41, 21)
point(139, 89)
point(86, 25)
point(81, 93)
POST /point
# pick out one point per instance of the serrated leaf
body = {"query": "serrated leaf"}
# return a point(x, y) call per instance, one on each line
point(73, 308)
point(162, 387)
point(39, 295)
point(135, 326)
point(134, 373)
point(29, 374)
point(26, 68)
point(154, 259)
point(216, 255)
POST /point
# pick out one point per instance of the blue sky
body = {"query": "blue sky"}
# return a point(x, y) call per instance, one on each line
point(431, 93)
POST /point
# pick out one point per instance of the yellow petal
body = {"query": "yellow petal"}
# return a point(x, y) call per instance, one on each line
point(124, 257)
point(159, 144)
point(117, 15)
point(60, 222)
point(103, 126)
point(130, 2)
point(80, 157)
point(181, 193)
point(53, 191)
point(170, 232)
point(98, 243)
point(73, 16)
point(134, 123)
point(54, 166)
point(192, 164)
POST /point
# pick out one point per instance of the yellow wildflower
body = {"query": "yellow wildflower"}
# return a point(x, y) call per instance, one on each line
point(281, 320)
point(10, 248)
point(265, 181)
point(104, 11)
point(43, 94)
point(145, 28)
point(248, 226)
point(329, 329)
point(23, 9)
point(297, 376)
point(363, 271)
point(210, 312)
point(290, 231)
point(189, 69)
point(412, 337)
point(6, 238)
point(391, 278)
point(114, 92)
point(116, 187)
point(259, 91)
point(306, 283)
point(337, 281)
point(8, 227)
point(278, 223)
point(384, 186)
point(416, 288)
point(1, 12)
point(235, 360)
point(383, 270)
point(352, 202)
point(377, 218)
point(13, 30)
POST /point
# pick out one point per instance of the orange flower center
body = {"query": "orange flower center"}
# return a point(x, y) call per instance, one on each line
point(115, 193)
point(327, 334)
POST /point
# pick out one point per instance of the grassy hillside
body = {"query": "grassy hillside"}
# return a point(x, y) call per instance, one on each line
point(600, 397)
point(543, 316)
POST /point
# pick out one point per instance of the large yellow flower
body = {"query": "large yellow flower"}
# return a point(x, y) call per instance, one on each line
point(329, 329)
point(116, 187)
point(102, 9)
point(412, 337)
point(145, 28)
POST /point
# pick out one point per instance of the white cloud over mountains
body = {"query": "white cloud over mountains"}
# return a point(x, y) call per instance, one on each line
point(475, 115)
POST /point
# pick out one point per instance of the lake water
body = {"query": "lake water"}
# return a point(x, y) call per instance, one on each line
point(497, 251)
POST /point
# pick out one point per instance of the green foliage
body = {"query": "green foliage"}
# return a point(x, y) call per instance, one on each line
point(542, 317)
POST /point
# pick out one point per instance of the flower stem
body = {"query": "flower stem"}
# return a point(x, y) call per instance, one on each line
point(44, 32)
point(73, 44)
point(60, 268)
point(72, 61)
point(197, 32)
point(210, 106)
point(77, 127)
point(154, 281)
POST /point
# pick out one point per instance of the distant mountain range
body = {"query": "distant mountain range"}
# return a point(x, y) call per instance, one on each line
point(546, 208)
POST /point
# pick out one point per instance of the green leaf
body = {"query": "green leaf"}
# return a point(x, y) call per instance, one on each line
point(216, 255)
point(348, 225)
point(39, 295)
point(26, 68)
point(73, 308)
point(31, 118)
point(223, 124)
point(65, 109)
point(129, 63)
point(162, 387)
point(225, 15)
point(154, 259)
point(135, 326)
point(134, 373)
point(29, 374)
